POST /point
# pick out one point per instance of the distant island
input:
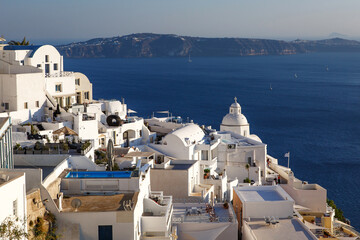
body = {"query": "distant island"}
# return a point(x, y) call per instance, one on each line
point(169, 45)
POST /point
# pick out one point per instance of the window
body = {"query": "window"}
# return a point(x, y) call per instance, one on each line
point(46, 58)
point(87, 95)
point(204, 155)
point(55, 66)
point(22, 62)
point(15, 208)
point(58, 88)
point(6, 106)
point(68, 101)
point(249, 160)
point(38, 66)
point(37, 104)
point(77, 81)
point(25, 105)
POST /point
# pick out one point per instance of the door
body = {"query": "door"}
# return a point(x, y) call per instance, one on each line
point(105, 232)
point(126, 139)
point(47, 68)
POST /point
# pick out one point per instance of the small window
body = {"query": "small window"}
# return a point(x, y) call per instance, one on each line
point(77, 81)
point(68, 101)
point(262, 173)
point(37, 104)
point(58, 88)
point(38, 66)
point(87, 95)
point(15, 208)
point(25, 105)
point(140, 132)
point(249, 160)
point(22, 62)
point(6, 106)
point(55, 66)
point(46, 58)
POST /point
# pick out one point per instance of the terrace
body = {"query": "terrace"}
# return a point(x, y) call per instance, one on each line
point(202, 213)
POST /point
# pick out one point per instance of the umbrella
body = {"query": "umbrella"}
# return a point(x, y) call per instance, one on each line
point(66, 131)
point(131, 111)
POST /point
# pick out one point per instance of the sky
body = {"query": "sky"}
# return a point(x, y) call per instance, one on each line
point(64, 21)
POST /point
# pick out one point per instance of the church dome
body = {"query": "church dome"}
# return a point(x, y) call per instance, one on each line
point(235, 105)
point(234, 120)
point(234, 117)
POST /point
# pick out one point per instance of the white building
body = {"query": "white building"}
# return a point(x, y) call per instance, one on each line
point(6, 150)
point(32, 78)
point(235, 152)
point(13, 197)
point(266, 212)
point(235, 121)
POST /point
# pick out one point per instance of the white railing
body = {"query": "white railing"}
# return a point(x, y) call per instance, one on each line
point(60, 74)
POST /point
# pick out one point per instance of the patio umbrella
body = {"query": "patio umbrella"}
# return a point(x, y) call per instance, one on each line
point(131, 111)
point(65, 130)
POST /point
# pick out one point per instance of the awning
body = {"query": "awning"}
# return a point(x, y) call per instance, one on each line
point(131, 111)
point(65, 130)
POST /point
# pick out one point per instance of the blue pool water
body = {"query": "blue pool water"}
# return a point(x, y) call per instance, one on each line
point(315, 116)
point(99, 174)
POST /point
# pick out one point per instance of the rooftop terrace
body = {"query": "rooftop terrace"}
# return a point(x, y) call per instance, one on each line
point(285, 229)
point(99, 203)
point(201, 213)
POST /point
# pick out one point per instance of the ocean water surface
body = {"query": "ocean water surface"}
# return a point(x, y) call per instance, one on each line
point(315, 115)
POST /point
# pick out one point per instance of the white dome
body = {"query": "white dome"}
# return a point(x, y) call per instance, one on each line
point(235, 105)
point(234, 120)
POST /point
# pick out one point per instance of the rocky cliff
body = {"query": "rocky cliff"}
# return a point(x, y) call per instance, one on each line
point(167, 45)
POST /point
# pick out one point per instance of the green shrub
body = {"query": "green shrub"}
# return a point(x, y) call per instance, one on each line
point(247, 180)
point(116, 167)
point(339, 214)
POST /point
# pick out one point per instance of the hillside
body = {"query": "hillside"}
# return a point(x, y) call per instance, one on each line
point(167, 45)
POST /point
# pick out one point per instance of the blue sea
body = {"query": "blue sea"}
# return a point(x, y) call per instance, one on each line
point(315, 116)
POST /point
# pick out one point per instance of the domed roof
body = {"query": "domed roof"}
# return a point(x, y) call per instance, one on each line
point(234, 120)
point(235, 105)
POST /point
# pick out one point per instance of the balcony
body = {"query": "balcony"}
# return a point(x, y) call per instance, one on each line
point(157, 213)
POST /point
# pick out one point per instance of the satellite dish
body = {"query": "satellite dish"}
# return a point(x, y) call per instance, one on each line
point(76, 203)
point(110, 154)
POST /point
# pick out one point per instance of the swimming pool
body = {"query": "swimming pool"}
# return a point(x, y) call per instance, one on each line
point(99, 174)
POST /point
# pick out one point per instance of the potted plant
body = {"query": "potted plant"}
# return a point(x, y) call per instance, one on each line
point(206, 173)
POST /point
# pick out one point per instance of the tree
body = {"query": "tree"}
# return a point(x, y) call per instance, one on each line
point(247, 166)
point(13, 228)
point(22, 43)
